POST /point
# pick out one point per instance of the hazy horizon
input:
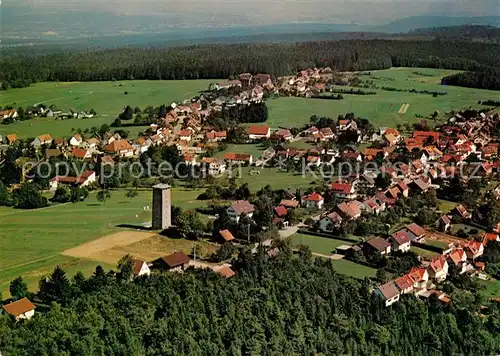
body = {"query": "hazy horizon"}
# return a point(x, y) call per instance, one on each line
point(233, 12)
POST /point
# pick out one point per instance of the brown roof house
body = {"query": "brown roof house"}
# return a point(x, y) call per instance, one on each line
point(388, 292)
point(175, 262)
point(416, 232)
point(226, 236)
point(330, 222)
point(21, 309)
point(140, 268)
point(42, 140)
point(400, 241)
point(444, 223)
point(240, 208)
point(257, 132)
point(225, 271)
point(377, 244)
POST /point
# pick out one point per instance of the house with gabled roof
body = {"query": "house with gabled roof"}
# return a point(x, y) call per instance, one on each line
point(313, 200)
point(405, 284)
point(226, 236)
point(239, 158)
point(329, 222)
point(344, 190)
point(416, 232)
point(120, 148)
point(473, 249)
point(174, 262)
point(457, 261)
point(388, 292)
point(438, 268)
point(45, 139)
point(81, 153)
point(350, 210)
point(400, 241)
point(258, 132)
point(225, 271)
point(461, 212)
point(140, 268)
point(444, 223)
point(240, 208)
point(20, 309)
point(420, 277)
point(76, 140)
point(377, 244)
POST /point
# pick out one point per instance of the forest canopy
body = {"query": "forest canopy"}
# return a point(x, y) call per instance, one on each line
point(282, 306)
point(227, 60)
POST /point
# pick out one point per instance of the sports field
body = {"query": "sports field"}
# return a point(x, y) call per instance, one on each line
point(384, 108)
point(31, 241)
point(107, 98)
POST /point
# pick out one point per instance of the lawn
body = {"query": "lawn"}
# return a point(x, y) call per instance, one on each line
point(318, 244)
point(31, 240)
point(446, 206)
point(107, 98)
point(492, 288)
point(382, 108)
point(352, 269)
point(426, 254)
point(436, 243)
point(255, 149)
point(274, 177)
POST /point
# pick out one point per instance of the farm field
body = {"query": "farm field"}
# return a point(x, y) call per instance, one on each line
point(352, 269)
point(318, 244)
point(31, 242)
point(382, 108)
point(107, 98)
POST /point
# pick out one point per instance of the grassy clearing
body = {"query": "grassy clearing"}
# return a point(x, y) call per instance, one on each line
point(274, 177)
point(352, 269)
point(255, 149)
point(318, 244)
point(382, 108)
point(426, 254)
point(436, 243)
point(107, 98)
point(30, 241)
point(492, 288)
point(446, 206)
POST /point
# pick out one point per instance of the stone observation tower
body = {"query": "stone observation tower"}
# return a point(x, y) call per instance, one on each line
point(162, 207)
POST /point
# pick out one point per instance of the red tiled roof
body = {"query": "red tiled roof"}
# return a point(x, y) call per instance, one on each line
point(378, 243)
point(473, 246)
point(289, 203)
point(457, 255)
point(417, 273)
point(176, 259)
point(489, 237)
point(185, 133)
point(404, 282)
point(225, 272)
point(237, 156)
point(258, 130)
point(342, 188)
point(79, 153)
point(19, 307)
point(437, 264)
point(313, 197)
point(118, 145)
point(401, 237)
point(281, 211)
point(226, 235)
point(242, 207)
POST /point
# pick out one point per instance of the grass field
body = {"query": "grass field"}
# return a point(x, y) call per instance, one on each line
point(352, 269)
point(426, 254)
point(382, 108)
point(107, 98)
point(274, 177)
point(492, 288)
point(31, 241)
point(318, 244)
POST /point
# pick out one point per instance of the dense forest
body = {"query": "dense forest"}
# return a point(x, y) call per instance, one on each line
point(282, 306)
point(224, 60)
point(487, 79)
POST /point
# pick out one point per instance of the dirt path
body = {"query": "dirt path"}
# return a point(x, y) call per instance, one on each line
point(96, 247)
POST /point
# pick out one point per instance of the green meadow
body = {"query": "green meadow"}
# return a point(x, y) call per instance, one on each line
point(382, 108)
point(107, 98)
point(31, 240)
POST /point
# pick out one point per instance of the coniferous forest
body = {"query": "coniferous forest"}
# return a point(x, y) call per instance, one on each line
point(282, 306)
point(226, 60)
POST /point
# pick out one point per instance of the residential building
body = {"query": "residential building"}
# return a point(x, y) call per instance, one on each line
point(438, 268)
point(20, 309)
point(400, 241)
point(444, 223)
point(175, 262)
point(416, 232)
point(42, 140)
point(258, 132)
point(83, 180)
point(240, 208)
point(457, 261)
point(226, 236)
point(388, 292)
point(405, 284)
point(420, 277)
point(76, 140)
point(239, 158)
point(120, 148)
point(350, 210)
point(140, 268)
point(330, 222)
point(313, 200)
point(377, 244)
point(473, 249)
point(344, 190)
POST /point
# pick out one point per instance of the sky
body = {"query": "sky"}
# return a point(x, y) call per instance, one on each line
point(230, 12)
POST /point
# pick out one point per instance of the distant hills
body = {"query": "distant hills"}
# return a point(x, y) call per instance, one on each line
point(28, 27)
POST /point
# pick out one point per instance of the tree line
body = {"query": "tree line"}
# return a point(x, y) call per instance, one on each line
point(484, 79)
point(277, 306)
point(227, 60)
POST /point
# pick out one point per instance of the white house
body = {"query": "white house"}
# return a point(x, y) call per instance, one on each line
point(438, 268)
point(388, 292)
point(42, 140)
point(76, 140)
point(313, 200)
point(258, 132)
point(400, 241)
point(240, 208)
point(140, 268)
